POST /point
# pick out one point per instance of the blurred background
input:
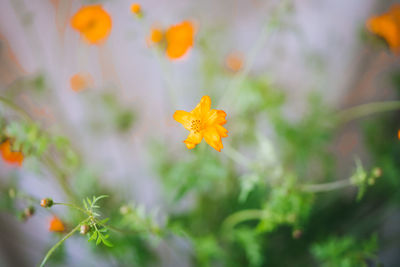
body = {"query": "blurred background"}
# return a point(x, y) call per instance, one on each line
point(281, 70)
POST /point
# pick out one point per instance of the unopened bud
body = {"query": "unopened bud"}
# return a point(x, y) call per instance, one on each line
point(377, 172)
point(11, 193)
point(46, 202)
point(297, 234)
point(29, 211)
point(124, 210)
point(84, 229)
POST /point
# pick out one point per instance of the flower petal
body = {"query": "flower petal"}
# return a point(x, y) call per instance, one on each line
point(215, 117)
point(221, 131)
point(192, 140)
point(212, 137)
point(183, 117)
point(202, 109)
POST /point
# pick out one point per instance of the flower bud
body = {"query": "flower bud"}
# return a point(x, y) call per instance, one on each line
point(124, 210)
point(84, 229)
point(46, 202)
point(29, 211)
point(377, 172)
point(297, 234)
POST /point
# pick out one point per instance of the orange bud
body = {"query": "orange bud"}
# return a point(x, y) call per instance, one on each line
point(136, 9)
point(46, 202)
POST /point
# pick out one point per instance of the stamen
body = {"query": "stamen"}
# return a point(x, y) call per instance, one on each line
point(196, 126)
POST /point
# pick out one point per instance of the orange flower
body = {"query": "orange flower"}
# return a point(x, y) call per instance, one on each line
point(9, 156)
point(205, 122)
point(234, 61)
point(93, 22)
point(156, 35)
point(179, 39)
point(387, 26)
point(56, 225)
point(81, 81)
point(136, 9)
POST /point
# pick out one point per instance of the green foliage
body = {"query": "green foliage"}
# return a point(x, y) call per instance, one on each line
point(286, 205)
point(345, 252)
point(98, 227)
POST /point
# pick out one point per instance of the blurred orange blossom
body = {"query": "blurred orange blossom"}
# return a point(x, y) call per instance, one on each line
point(81, 81)
point(136, 9)
point(179, 39)
point(387, 26)
point(156, 35)
point(56, 225)
point(9, 156)
point(205, 122)
point(93, 22)
point(234, 61)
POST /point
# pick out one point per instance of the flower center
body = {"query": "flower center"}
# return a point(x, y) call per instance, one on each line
point(196, 126)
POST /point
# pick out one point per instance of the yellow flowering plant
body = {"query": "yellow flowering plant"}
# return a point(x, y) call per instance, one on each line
point(107, 164)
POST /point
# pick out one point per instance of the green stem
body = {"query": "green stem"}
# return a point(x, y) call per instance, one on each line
point(326, 186)
point(365, 110)
point(74, 207)
point(167, 79)
point(16, 108)
point(236, 156)
point(61, 241)
point(235, 85)
point(241, 216)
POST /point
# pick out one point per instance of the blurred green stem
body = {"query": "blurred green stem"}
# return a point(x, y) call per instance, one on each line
point(365, 110)
point(16, 108)
point(236, 82)
point(167, 79)
point(244, 215)
point(236, 156)
point(61, 241)
point(326, 186)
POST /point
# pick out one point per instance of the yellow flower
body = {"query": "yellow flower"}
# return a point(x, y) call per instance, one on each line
point(136, 9)
point(179, 39)
point(387, 26)
point(93, 22)
point(205, 122)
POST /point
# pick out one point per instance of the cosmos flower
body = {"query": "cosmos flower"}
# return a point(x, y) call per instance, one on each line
point(203, 122)
point(56, 225)
point(136, 9)
point(156, 36)
point(93, 22)
point(179, 39)
point(234, 61)
point(9, 156)
point(81, 81)
point(387, 26)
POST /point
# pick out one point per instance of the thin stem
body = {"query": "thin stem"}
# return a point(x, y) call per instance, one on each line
point(61, 241)
point(16, 108)
point(73, 206)
point(365, 110)
point(59, 174)
point(236, 156)
point(315, 188)
point(234, 85)
point(167, 79)
point(241, 216)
